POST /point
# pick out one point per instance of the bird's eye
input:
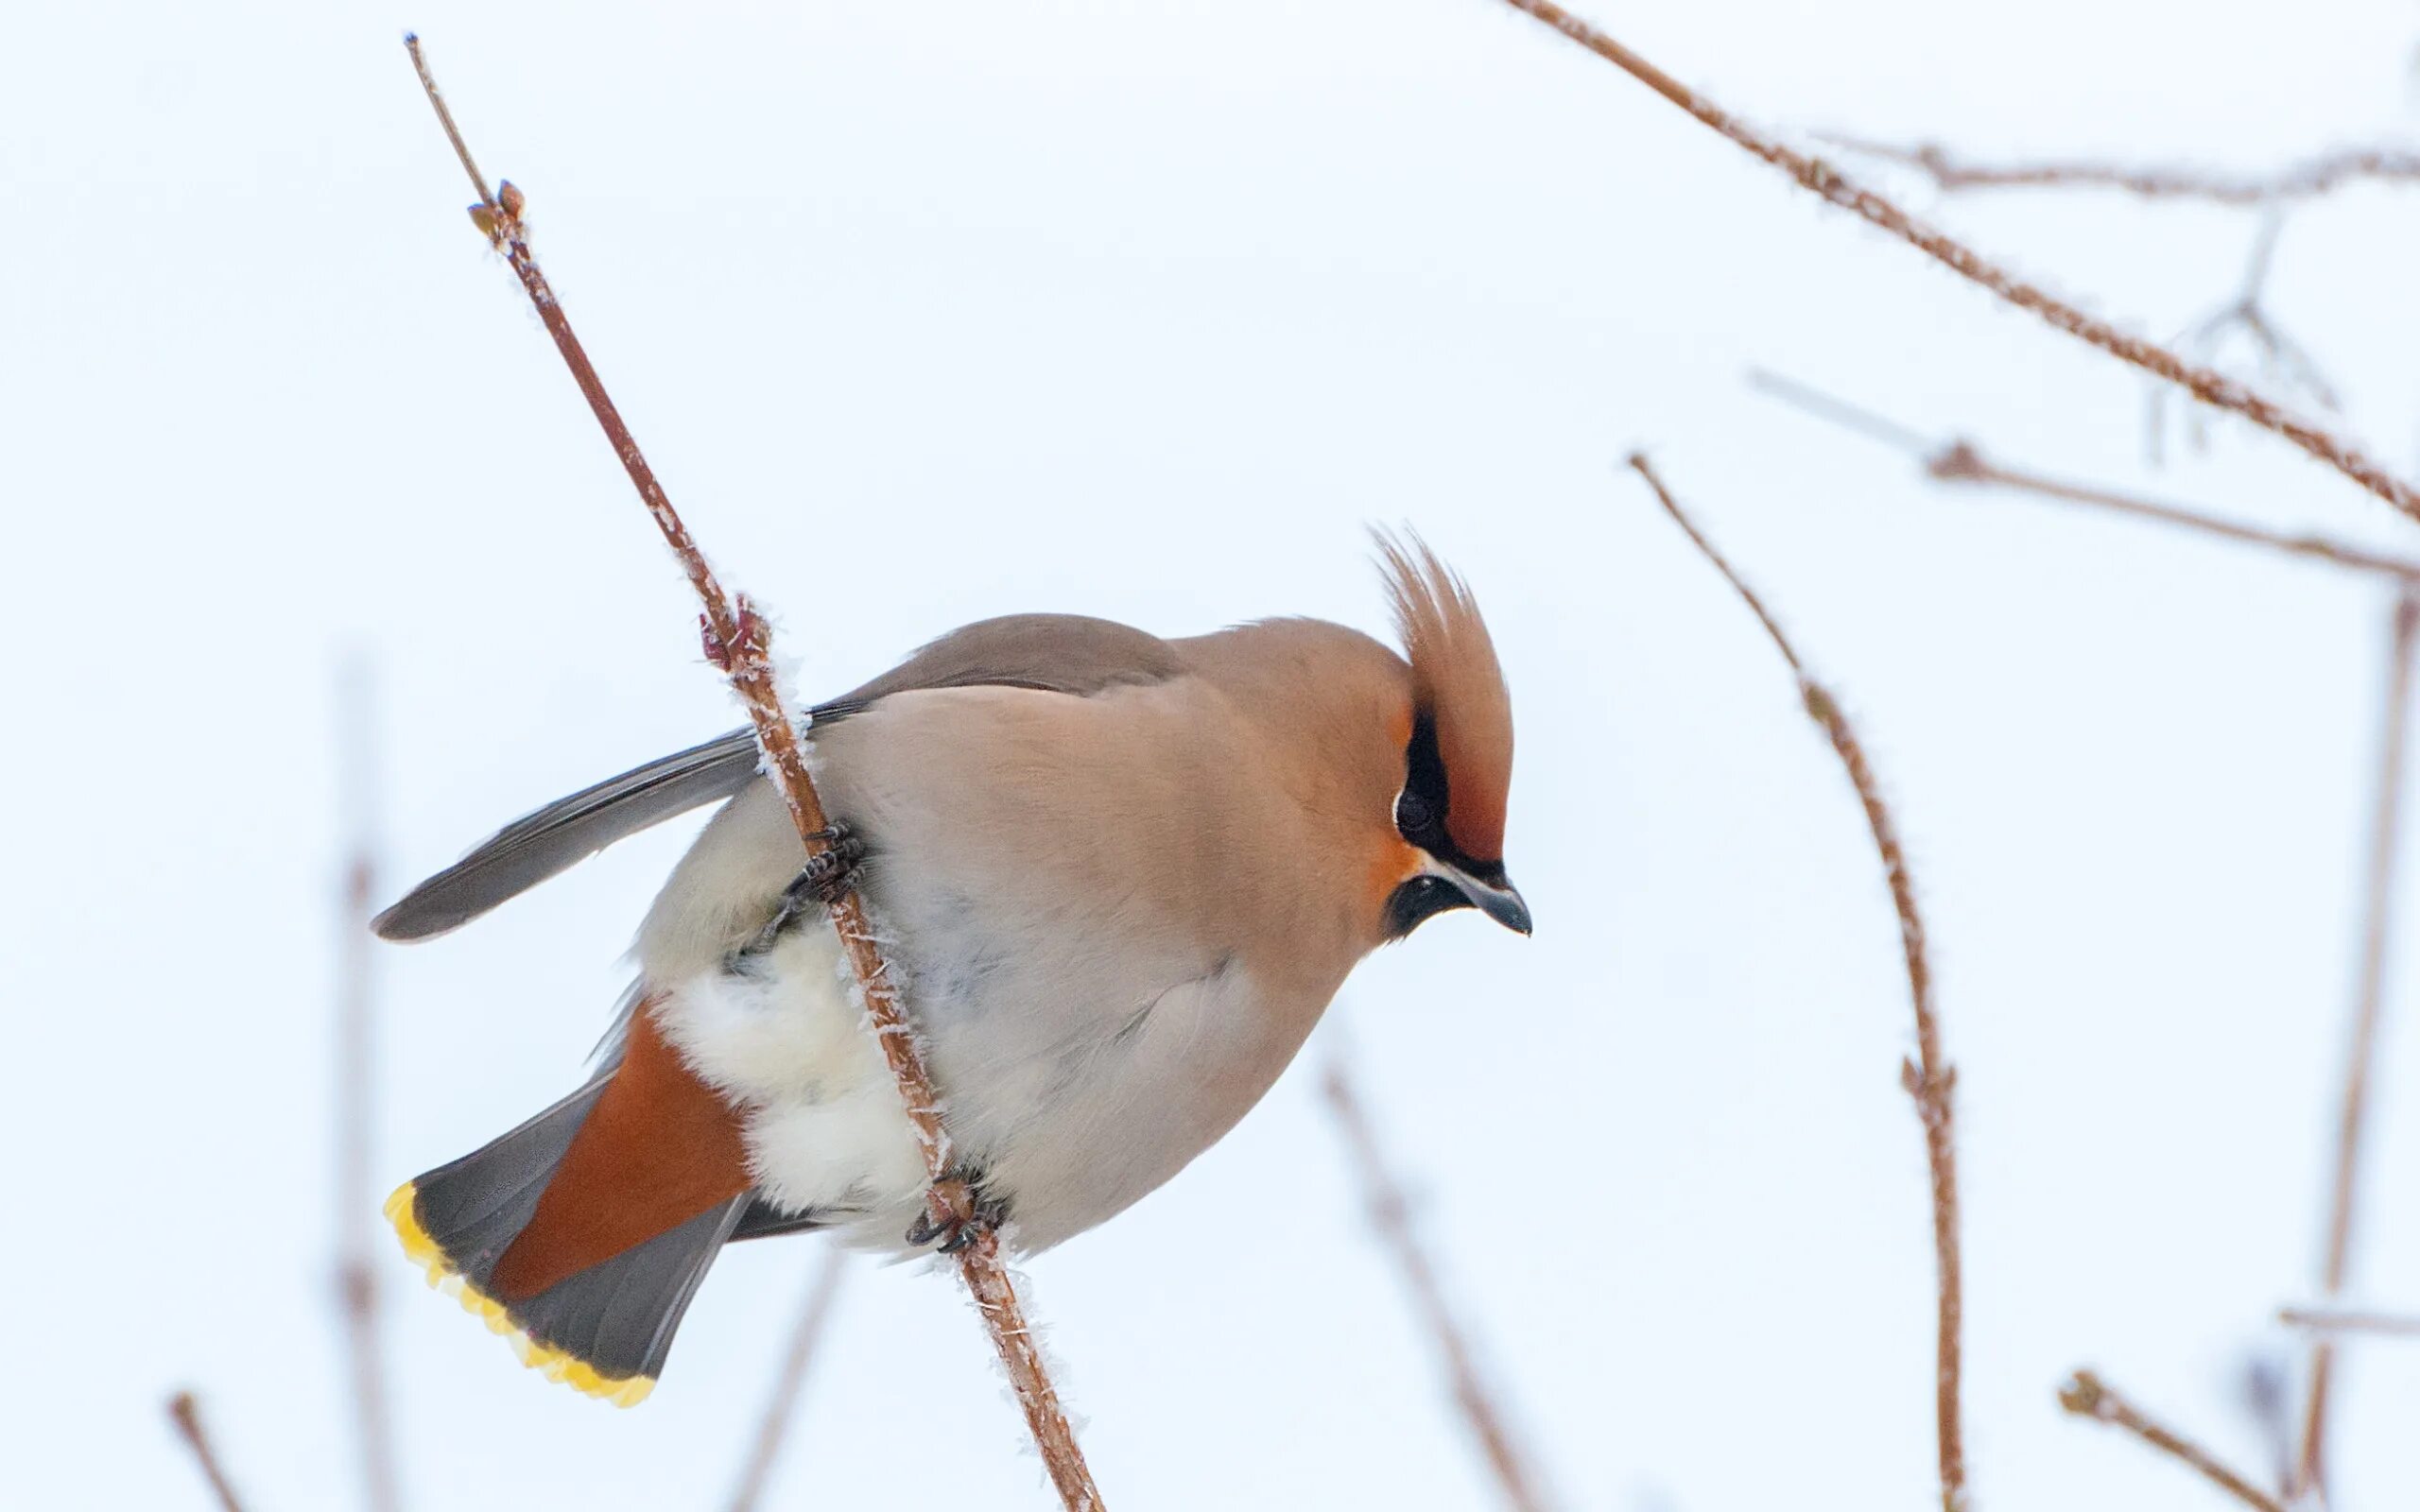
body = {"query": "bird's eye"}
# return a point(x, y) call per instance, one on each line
point(1411, 813)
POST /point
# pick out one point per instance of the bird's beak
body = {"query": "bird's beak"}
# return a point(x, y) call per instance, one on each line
point(1500, 903)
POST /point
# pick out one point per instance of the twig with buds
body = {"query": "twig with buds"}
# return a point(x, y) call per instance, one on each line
point(738, 640)
point(1392, 1212)
point(1927, 1077)
point(2087, 1396)
point(1821, 177)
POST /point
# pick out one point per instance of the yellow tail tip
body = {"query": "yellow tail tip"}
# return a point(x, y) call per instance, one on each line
point(402, 1210)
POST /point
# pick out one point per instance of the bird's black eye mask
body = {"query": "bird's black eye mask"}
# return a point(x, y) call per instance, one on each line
point(1420, 809)
point(1420, 819)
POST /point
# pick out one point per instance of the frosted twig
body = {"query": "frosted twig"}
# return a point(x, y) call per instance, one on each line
point(2329, 1320)
point(2087, 1396)
point(2378, 909)
point(1928, 1079)
point(357, 1278)
point(1961, 461)
point(783, 1406)
point(1822, 178)
point(186, 1415)
point(1392, 1214)
point(738, 640)
point(2298, 181)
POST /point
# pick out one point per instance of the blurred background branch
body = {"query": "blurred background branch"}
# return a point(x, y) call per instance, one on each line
point(781, 1409)
point(1961, 461)
point(185, 1413)
point(2377, 907)
point(356, 1082)
point(1820, 178)
point(2296, 180)
point(2087, 1396)
point(1390, 1214)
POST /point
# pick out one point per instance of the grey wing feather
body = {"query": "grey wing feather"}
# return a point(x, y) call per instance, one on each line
point(1054, 653)
point(536, 846)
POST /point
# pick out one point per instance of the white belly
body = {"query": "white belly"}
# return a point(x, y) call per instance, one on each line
point(1068, 1132)
point(785, 1039)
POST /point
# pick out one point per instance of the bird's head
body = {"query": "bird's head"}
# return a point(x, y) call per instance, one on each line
point(1458, 754)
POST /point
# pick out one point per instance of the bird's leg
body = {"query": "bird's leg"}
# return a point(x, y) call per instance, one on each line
point(819, 884)
point(989, 1212)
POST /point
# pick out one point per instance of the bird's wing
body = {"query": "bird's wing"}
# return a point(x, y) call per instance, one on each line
point(537, 846)
point(1049, 653)
point(1053, 653)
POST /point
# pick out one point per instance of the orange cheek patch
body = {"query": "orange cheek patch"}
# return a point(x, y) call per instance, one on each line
point(1395, 863)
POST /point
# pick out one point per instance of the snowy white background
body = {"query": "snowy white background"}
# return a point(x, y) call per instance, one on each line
point(928, 313)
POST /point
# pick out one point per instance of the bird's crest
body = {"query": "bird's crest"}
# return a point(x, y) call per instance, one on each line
point(1458, 689)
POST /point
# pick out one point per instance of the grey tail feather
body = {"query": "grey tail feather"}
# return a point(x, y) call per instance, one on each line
point(540, 845)
point(764, 1220)
point(618, 1315)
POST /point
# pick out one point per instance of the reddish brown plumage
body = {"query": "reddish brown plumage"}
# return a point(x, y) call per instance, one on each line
point(1456, 682)
point(658, 1148)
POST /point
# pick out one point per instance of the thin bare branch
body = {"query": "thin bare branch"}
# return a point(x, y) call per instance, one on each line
point(356, 1087)
point(2331, 1320)
point(2386, 826)
point(1961, 461)
point(738, 640)
point(1928, 1079)
point(2280, 359)
point(1822, 178)
point(1827, 406)
point(2297, 180)
point(783, 1406)
point(1392, 1212)
point(2087, 1396)
point(186, 1415)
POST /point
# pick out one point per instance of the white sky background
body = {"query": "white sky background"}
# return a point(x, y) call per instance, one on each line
point(1142, 310)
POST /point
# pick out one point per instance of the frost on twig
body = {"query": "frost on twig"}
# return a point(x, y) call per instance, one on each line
point(2087, 1396)
point(1391, 1214)
point(738, 640)
point(1927, 1077)
point(1820, 178)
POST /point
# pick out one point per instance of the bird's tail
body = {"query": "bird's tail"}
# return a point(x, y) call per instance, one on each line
point(583, 1233)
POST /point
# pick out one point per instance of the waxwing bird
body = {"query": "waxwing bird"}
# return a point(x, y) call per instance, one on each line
point(1119, 878)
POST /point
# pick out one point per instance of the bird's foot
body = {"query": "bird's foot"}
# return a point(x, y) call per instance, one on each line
point(830, 871)
point(819, 884)
point(986, 1213)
